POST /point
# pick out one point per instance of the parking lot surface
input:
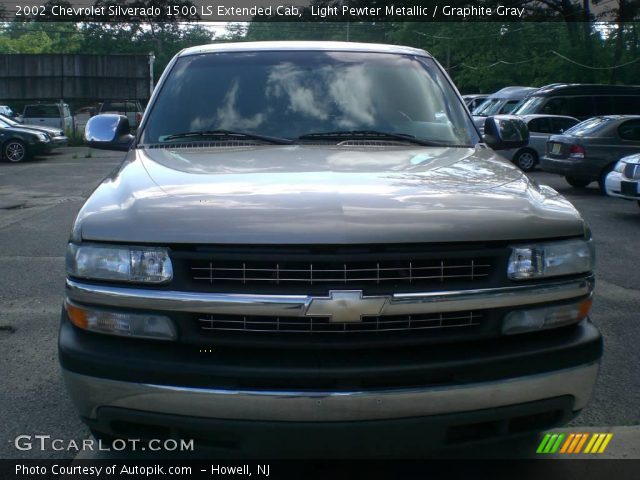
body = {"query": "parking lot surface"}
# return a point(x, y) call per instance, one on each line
point(39, 200)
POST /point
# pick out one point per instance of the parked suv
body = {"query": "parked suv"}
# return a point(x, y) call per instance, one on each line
point(55, 115)
point(582, 101)
point(310, 240)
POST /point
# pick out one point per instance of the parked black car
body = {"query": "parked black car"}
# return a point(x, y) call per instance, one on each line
point(20, 143)
point(589, 151)
point(57, 136)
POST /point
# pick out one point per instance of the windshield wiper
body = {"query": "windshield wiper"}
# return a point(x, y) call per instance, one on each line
point(230, 134)
point(369, 135)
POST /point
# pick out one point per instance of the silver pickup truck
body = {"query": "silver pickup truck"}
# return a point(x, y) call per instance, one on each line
point(312, 241)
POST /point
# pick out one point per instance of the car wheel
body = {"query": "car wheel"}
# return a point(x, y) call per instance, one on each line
point(576, 182)
point(15, 151)
point(602, 181)
point(526, 160)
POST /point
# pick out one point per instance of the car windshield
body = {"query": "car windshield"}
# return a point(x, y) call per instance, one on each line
point(290, 94)
point(528, 106)
point(588, 127)
point(486, 105)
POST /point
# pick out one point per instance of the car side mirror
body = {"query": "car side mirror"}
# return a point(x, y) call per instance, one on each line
point(108, 132)
point(503, 132)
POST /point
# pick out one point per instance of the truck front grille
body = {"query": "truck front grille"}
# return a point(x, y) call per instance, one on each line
point(387, 323)
point(348, 274)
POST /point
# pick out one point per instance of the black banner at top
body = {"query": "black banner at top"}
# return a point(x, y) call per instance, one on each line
point(309, 10)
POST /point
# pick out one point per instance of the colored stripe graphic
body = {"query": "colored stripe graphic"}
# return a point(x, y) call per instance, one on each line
point(598, 443)
point(543, 443)
point(550, 443)
point(573, 443)
point(567, 443)
point(603, 447)
point(584, 439)
point(591, 443)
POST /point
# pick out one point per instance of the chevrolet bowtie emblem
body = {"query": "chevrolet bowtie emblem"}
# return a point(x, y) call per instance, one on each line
point(346, 306)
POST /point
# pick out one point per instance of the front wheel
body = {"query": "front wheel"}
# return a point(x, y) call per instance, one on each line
point(526, 160)
point(602, 181)
point(15, 151)
point(577, 182)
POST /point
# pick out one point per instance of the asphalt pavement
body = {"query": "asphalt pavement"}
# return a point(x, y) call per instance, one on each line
point(39, 200)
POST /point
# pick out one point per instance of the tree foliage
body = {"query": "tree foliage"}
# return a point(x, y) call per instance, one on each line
point(571, 45)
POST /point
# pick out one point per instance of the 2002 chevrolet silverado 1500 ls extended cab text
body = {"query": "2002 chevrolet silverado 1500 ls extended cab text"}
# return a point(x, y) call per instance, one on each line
point(311, 239)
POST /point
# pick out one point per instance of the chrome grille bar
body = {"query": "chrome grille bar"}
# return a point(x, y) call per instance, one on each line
point(378, 323)
point(409, 272)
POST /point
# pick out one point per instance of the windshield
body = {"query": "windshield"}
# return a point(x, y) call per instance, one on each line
point(289, 94)
point(528, 106)
point(588, 127)
point(486, 105)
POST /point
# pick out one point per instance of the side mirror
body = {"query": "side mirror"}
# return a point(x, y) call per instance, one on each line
point(503, 132)
point(108, 132)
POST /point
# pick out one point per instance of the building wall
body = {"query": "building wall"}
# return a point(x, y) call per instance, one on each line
point(73, 77)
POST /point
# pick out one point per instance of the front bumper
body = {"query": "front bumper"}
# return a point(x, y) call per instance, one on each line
point(544, 376)
point(92, 394)
point(613, 186)
point(60, 141)
point(39, 148)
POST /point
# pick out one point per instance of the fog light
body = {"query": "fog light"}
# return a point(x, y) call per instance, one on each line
point(137, 325)
point(521, 321)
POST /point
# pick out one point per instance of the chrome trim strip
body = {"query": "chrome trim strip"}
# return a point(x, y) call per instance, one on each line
point(297, 305)
point(91, 393)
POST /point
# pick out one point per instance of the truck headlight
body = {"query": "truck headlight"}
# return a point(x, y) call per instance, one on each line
point(551, 259)
point(119, 263)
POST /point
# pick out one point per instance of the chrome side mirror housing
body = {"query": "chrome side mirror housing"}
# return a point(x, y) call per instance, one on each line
point(503, 132)
point(108, 132)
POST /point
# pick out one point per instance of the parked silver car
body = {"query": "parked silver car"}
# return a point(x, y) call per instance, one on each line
point(588, 151)
point(541, 127)
point(624, 180)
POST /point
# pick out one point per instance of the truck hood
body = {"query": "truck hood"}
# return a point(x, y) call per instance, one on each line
point(321, 194)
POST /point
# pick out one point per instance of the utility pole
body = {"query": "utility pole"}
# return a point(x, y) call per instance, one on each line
point(152, 59)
